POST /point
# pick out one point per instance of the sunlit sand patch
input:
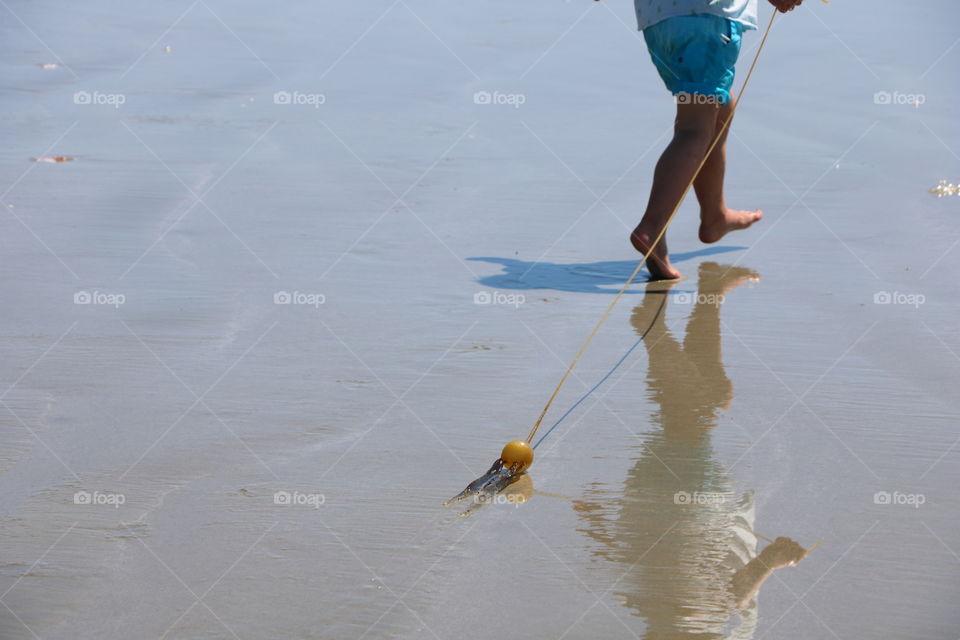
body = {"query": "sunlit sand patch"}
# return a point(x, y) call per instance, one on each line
point(945, 188)
point(52, 159)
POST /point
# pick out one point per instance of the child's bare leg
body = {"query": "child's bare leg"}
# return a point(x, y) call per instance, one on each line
point(709, 184)
point(716, 220)
point(692, 135)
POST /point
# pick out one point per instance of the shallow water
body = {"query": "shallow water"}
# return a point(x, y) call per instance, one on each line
point(257, 468)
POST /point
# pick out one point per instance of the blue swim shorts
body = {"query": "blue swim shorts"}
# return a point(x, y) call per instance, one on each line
point(696, 54)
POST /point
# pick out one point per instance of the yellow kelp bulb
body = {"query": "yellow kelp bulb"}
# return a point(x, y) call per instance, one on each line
point(517, 454)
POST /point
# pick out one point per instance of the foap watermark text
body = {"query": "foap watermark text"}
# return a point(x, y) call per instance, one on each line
point(99, 298)
point(298, 98)
point(499, 298)
point(98, 98)
point(715, 299)
point(697, 98)
point(99, 498)
point(699, 497)
point(515, 100)
point(299, 499)
point(299, 298)
point(898, 498)
point(899, 98)
point(899, 297)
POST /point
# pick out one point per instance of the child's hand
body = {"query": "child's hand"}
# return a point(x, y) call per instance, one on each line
point(785, 5)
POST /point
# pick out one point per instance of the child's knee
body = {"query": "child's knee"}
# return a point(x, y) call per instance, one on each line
point(698, 135)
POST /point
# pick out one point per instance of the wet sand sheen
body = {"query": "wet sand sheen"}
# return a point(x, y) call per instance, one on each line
point(224, 454)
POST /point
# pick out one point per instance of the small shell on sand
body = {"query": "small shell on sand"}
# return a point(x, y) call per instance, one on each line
point(945, 189)
point(52, 159)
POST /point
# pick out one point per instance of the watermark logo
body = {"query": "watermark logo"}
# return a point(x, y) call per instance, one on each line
point(297, 98)
point(97, 98)
point(697, 98)
point(99, 297)
point(715, 299)
point(515, 100)
point(99, 498)
point(898, 98)
point(299, 297)
point(516, 499)
point(499, 298)
point(898, 498)
point(299, 499)
point(898, 297)
point(699, 497)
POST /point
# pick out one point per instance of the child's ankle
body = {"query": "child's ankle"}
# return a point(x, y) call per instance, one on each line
point(713, 213)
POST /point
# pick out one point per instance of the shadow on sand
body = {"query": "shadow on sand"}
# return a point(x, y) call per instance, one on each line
point(584, 277)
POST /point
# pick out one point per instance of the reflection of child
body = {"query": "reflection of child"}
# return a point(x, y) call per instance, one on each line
point(688, 542)
point(694, 44)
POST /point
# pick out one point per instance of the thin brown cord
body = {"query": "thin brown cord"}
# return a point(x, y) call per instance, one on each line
point(663, 231)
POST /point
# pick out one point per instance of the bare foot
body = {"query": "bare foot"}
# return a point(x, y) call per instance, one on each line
point(715, 226)
point(659, 262)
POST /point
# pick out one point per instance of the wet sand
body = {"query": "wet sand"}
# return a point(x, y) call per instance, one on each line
point(300, 283)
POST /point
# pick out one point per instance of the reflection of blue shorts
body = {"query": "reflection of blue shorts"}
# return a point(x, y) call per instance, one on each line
point(696, 54)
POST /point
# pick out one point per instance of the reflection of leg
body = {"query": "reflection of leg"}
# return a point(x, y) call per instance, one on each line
point(702, 342)
point(703, 331)
point(702, 345)
point(664, 354)
point(649, 319)
point(671, 377)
